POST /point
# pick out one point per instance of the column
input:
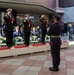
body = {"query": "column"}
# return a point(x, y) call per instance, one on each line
point(2, 16)
point(57, 3)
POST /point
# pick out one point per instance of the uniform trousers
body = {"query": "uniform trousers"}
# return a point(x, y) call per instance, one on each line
point(43, 35)
point(26, 38)
point(55, 52)
point(9, 38)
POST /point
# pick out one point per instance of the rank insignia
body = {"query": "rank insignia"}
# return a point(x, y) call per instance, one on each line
point(6, 16)
point(24, 20)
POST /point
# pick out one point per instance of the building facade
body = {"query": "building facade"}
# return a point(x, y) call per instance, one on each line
point(68, 6)
point(37, 7)
point(27, 7)
point(66, 3)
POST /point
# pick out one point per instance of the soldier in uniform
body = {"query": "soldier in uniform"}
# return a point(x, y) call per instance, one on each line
point(43, 23)
point(27, 29)
point(9, 28)
point(55, 42)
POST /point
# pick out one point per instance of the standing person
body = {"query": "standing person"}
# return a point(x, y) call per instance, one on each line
point(63, 29)
point(9, 28)
point(21, 33)
point(55, 42)
point(27, 29)
point(70, 31)
point(43, 23)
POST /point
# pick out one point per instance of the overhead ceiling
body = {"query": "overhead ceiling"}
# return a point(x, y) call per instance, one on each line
point(26, 8)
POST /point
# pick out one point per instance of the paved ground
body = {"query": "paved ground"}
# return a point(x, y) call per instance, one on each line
point(38, 64)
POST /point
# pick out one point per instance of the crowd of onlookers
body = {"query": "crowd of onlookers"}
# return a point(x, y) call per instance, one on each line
point(67, 29)
point(18, 31)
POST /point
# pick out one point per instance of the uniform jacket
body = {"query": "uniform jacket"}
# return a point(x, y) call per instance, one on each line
point(8, 24)
point(27, 26)
point(55, 30)
point(43, 23)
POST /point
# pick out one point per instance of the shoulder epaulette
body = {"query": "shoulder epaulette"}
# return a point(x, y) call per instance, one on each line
point(6, 15)
point(24, 20)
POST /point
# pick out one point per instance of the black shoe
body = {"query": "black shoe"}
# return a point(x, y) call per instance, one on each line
point(27, 44)
point(53, 69)
point(43, 43)
point(9, 47)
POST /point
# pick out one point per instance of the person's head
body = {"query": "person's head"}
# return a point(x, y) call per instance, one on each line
point(9, 11)
point(56, 17)
point(21, 28)
point(69, 23)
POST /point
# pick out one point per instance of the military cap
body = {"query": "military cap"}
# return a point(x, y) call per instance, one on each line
point(9, 10)
point(57, 16)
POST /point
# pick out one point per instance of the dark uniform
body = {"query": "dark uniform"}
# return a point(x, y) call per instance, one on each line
point(8, 30)
point(27, 29)
point(55, 43)
point(43, 27)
